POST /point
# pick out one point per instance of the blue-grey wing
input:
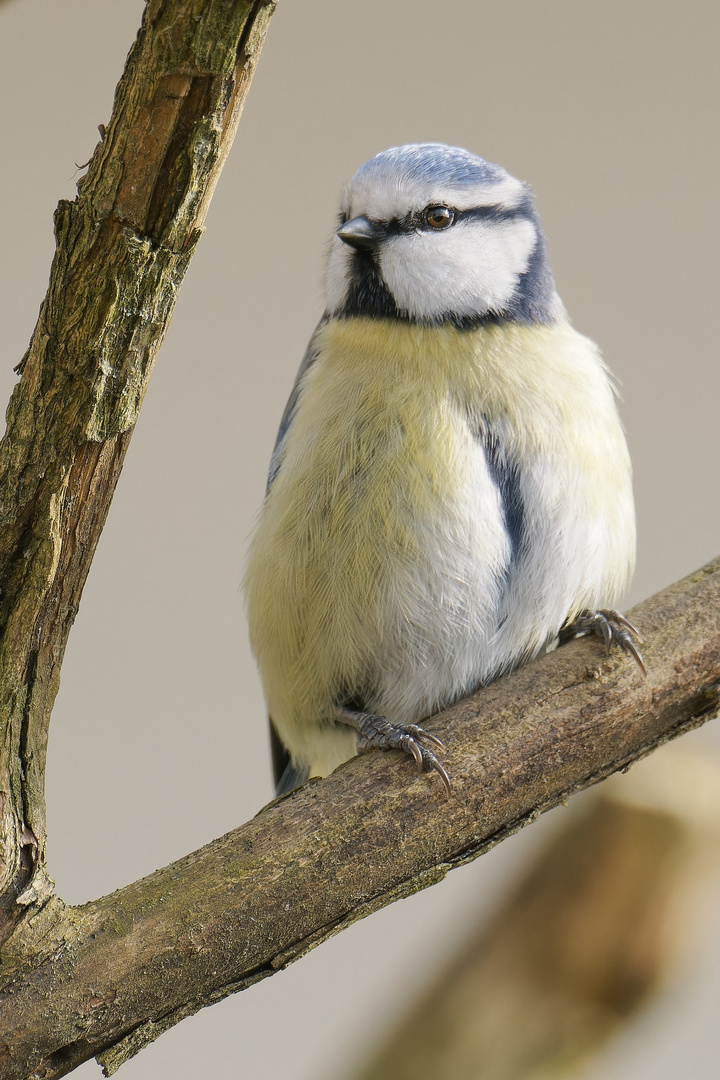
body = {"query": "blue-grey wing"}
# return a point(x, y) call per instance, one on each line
point(287, 417)
point(286, 773)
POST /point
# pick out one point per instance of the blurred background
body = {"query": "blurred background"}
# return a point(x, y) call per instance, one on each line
point(158, 742)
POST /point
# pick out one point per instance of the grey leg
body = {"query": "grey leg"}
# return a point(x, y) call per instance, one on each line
point(377, 731)
point(610, 626)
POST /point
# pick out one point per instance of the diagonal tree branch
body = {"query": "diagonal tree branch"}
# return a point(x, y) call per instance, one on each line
point(122, 969)
point(123, 247)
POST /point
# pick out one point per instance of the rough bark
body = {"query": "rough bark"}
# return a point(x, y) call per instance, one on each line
point(123, 247)
point(122, 969)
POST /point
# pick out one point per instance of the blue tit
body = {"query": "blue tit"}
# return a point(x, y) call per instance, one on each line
point(450, 486)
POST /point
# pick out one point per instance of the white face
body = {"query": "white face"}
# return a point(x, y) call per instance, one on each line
point(468, 269)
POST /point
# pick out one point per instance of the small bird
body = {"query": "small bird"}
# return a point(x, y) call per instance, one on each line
point(450, 488)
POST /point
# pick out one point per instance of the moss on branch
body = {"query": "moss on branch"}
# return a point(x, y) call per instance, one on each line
point(122, 250)
point(333, 852)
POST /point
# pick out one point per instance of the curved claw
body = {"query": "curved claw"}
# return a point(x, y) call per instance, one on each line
point(605, 628)
point(409, 745)
point(629, 646)
point(618, 617)
point(421, 733)
point(377, 731)
point(435, 764)
point(610, 625)
point(426, 760)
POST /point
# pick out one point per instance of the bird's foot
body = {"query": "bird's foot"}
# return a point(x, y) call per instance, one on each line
point(610, 626)
point(377, 731)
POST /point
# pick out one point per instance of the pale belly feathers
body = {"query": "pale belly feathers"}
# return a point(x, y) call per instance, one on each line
point(445, 501)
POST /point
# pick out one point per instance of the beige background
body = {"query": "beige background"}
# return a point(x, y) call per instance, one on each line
point(158, 741)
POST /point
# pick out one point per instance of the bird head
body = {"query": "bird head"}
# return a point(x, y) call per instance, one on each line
point(434, 234)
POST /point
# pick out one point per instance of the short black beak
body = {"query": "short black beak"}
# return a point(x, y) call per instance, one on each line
point(361, 233)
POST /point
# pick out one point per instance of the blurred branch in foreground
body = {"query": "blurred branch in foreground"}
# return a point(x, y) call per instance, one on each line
point(586, 937)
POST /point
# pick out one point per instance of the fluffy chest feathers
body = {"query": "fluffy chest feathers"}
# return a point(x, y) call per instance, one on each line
point(387, 404)
point(444, 500)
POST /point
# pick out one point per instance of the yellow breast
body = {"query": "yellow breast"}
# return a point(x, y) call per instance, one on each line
point(379, 452)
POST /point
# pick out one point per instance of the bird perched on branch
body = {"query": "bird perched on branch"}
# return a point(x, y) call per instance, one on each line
point(450, 487)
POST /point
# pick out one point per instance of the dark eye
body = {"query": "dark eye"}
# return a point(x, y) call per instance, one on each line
point(438, 217)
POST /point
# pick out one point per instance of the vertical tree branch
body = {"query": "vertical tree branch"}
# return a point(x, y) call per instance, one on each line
point(123, 247)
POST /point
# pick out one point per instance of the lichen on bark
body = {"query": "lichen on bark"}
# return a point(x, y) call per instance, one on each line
point(122, 250)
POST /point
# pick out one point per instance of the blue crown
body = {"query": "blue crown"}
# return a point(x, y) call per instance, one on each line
point(433, 162)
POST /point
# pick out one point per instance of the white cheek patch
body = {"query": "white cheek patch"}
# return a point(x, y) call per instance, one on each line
point(470, 269)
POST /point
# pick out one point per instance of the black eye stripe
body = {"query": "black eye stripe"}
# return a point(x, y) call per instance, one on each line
point(415, 222)
point(492, 213)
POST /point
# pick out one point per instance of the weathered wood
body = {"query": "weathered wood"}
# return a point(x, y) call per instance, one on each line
point(122, 969)
point(123, 247)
